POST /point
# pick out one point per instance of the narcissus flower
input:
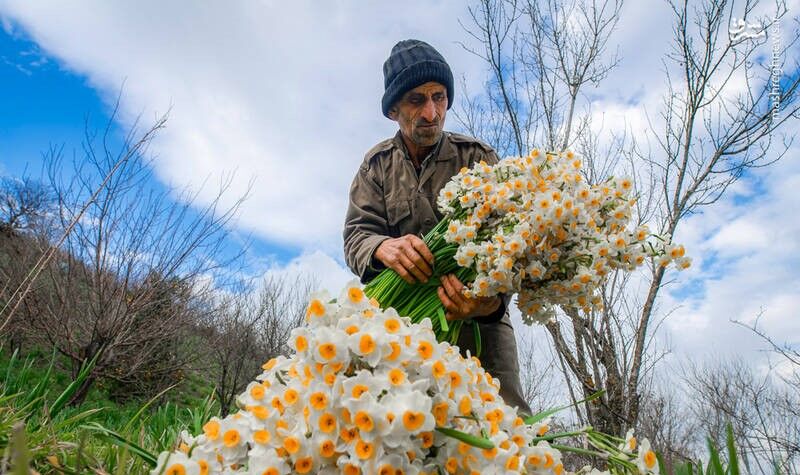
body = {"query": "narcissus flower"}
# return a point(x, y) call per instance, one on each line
point(363, 392)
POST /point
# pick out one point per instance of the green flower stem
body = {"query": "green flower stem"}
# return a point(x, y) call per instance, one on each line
point(577, 450)
point(421, 300)
point(557, 435)
point(480, 442)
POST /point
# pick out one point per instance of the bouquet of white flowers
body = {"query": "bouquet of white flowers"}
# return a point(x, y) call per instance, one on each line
point(529, 225)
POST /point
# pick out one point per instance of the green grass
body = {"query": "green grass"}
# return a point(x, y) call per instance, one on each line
point(39, 430)
point(100, 435)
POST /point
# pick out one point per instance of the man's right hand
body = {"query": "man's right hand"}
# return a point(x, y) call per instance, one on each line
point(408, 256)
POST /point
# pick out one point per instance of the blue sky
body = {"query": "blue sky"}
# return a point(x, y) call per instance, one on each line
point(45, 105)
point(286, 95)
point(40, 103)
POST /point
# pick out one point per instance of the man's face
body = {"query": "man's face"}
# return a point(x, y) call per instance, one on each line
point(420, 113)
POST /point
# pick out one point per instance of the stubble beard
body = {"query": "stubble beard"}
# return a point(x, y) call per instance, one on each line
point(426, 138)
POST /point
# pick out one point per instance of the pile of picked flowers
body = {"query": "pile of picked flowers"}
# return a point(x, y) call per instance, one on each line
point(368, 392)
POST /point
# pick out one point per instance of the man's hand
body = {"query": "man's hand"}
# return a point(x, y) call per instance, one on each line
point(408, 256)
point(460, 307)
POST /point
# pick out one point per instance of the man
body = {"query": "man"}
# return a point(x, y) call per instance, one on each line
point(393, 202)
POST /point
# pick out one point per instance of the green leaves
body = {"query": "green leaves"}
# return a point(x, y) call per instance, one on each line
point(715, 464)
point(733, 459)
point(545, 414)
point(64, 397)
point(40, 431)
point(117, 439)
point(442, 320)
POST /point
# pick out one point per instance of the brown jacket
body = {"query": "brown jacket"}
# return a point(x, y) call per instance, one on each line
point(388, 198)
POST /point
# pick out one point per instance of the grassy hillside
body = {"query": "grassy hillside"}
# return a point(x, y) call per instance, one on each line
point(87, 438)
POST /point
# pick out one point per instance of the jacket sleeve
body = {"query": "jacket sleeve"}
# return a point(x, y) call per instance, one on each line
point(497, 315)
point(365, 225)
point(489, 157)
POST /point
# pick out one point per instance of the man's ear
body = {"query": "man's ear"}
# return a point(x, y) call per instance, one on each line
point(393, 112)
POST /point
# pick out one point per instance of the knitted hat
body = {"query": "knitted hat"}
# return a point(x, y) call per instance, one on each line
point(411, 63)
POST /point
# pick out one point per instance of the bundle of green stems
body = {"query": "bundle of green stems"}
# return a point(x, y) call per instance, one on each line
point(421, 300)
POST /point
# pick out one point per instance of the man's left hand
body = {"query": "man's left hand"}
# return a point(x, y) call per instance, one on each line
point(460, 307)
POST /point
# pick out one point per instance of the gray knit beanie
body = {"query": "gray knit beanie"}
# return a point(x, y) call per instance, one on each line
point(411, 63)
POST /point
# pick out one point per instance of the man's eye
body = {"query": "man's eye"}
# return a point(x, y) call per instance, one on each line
point(438, 97)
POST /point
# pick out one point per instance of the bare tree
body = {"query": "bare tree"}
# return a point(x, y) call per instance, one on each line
point(711, 137)
point(120, 286)
point(765, 417)
point(247, 328)
point(19, 253)
point(667, 422)
point(23, 202)
point(536, 376)
point(788, 352)
point(541, 56)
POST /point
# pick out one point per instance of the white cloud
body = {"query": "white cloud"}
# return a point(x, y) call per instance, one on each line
point(752, 253)
point(288, 93)
point(330, 274)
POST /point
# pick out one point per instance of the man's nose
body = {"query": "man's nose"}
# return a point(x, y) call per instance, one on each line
point(429, 111)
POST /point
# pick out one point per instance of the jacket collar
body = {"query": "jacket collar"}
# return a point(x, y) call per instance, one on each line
point(444, 150)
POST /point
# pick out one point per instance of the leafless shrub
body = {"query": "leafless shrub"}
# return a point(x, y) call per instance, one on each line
point(765, 416)
point(247, 328)
point(24, 202)
point(118, 285)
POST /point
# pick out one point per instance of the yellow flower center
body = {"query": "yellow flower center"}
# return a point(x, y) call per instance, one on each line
point(316, 308)
point(327, 351)
point(358, 390)
point(231, 438)
point(290, 396)
point(396, 376)
point(303, 465)
point(261, 436)
point(392, 325)
point(395, 351)
point(327, 448)
point(301, 343)
point(438, 369)
point(327, 423)
point(413, 420)
point(291, 444)
point(355, 294)
point(176, 469)
point(650, 459)
point(364, 421)
point(425, 350)
point(211, 430)
point(366, 344)
point(465, 406)
point(364, 450)
point(319, 400)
